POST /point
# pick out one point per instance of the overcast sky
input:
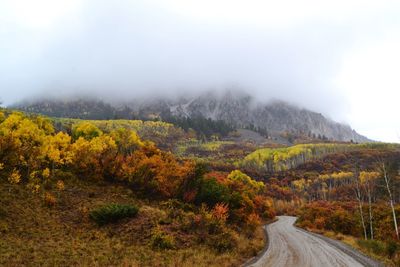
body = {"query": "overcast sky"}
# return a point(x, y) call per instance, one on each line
point(341, 58)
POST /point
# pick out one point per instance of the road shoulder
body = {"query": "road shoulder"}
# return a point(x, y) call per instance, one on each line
point(357, 255)
point(253, 260)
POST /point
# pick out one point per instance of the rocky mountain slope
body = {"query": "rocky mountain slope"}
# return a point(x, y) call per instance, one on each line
point(235, 108)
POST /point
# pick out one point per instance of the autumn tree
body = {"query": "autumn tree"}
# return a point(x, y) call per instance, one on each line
point(57, 150)
point(22, 139)
point(241, 182)
point(94, 158)
point(302, 186)
point(151, 170)
point(86, 130)
point(127, 140)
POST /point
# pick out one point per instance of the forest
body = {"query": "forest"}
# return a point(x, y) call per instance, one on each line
point(157, 193)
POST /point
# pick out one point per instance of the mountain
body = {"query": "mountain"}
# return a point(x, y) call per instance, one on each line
point(242, 110)
point(235, 108)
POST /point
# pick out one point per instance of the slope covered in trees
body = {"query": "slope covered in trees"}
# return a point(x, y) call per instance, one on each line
point(129, 183)
point(217, 211)
point(281, 159)
point(98, 110)
point(352, 196)
point(165, 135)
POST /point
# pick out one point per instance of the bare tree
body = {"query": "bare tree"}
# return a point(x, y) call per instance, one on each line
point(368, 181)
point(389, 191)
point(359, 197)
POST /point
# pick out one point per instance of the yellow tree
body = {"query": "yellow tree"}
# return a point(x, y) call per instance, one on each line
point(86, 130)
point(24, 139)
point(302, 186)
point(126, 140)
point(93, 158)
point(335, 179)
point(2, 116)
point(242, 182)
point(58, 150)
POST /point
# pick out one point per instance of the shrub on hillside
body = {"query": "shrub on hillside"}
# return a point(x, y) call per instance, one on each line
point(391, 248)
point(162, 240)
point(212, 192)
point(49, 199)
point(113, 213)
point(224, 241)
point(375, 246)
point(388, 249)
point(334, 216)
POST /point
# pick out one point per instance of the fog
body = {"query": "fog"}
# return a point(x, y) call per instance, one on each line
point(338, 58)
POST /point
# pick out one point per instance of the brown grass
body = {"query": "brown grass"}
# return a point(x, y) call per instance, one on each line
point(33, 233)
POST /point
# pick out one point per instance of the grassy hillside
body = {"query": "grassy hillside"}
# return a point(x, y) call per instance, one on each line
point(119, 192)
point(97, 194)
point(34, 233)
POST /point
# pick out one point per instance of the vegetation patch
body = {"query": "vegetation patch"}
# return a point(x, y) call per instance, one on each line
point(112, 213)
point(162, 240)
point(286, 158)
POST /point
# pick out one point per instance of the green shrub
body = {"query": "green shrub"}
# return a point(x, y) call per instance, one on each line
point(212, 192)
point(162, 240)
point(113, 213)
point(377, 247)
point(391, 248)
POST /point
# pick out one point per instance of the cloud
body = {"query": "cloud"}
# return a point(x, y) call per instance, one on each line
point(288, 50)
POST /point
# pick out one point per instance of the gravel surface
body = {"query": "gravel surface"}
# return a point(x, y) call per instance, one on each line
point(290, 246)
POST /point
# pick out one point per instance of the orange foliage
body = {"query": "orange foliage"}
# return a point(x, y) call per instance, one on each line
point(221, 177)
point(221, 212)
point(150, 169)
point(49, 199)
point(31, 151)
point(253, 221)
point(189, 196)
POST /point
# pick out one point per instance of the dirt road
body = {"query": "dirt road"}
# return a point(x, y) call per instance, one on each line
point(293, 247)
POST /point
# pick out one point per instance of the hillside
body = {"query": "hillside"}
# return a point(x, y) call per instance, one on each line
point(236, 109)
point(96, 193)
point(243, 110)
point(34, 233)
point(106, 193)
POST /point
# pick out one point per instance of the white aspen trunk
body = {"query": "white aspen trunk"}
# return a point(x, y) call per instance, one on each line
point(391, 200)
point(370, 213)
point(362, 219)
point(359, 199)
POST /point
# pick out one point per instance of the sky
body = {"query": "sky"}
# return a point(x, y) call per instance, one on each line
point(340, 58)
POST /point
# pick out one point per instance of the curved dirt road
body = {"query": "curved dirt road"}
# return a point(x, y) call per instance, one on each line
point(292, 247)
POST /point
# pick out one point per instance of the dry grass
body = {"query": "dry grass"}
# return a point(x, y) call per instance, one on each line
point(34, 234)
